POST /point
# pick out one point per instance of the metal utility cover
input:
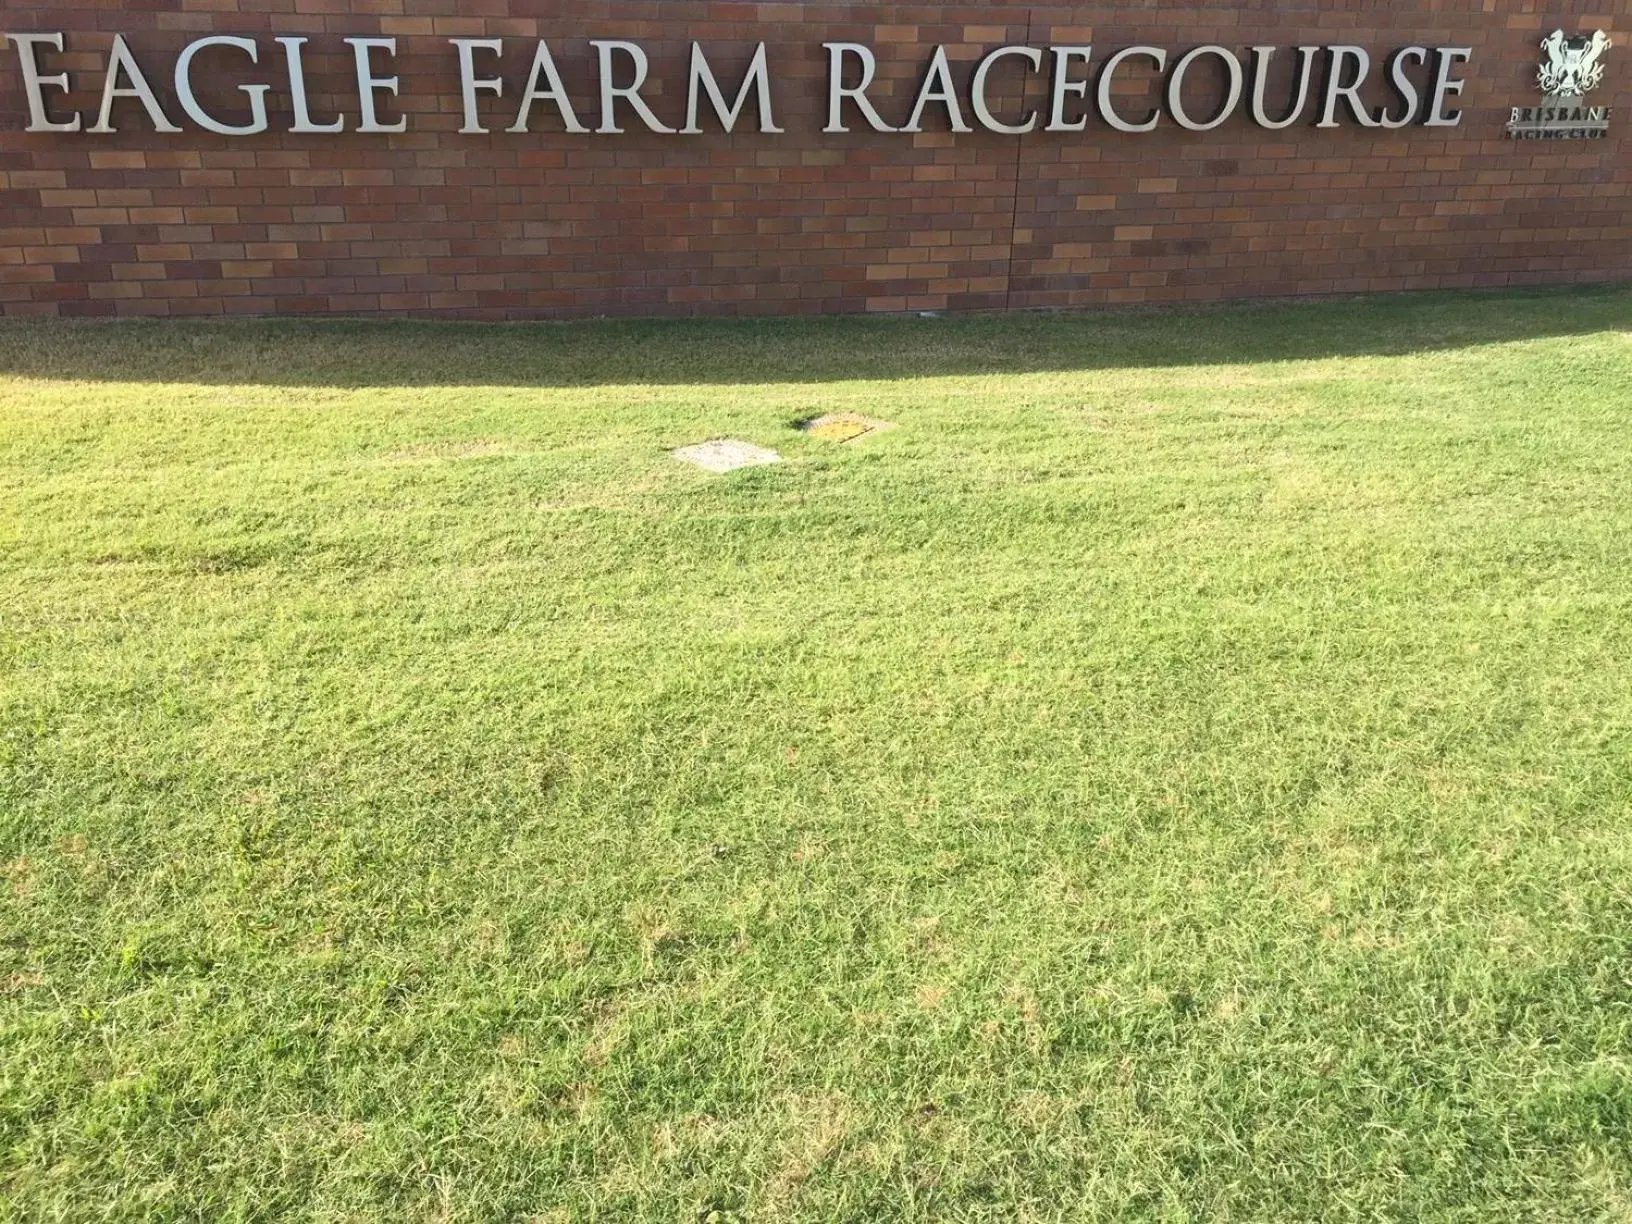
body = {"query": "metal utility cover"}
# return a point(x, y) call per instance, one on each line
point(843, 427)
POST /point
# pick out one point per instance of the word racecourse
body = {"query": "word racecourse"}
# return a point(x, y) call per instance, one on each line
point(1417, 84)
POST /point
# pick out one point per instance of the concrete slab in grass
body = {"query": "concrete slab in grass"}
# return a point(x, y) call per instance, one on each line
point(725, 455)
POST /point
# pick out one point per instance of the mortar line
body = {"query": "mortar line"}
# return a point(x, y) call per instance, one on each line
point(1014, 204)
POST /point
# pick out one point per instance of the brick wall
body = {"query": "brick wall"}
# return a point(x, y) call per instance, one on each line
point(549, 224)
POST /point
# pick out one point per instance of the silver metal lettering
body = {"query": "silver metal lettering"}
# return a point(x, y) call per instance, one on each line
point(468, 82)
point(121, 60)
point(938, 87)
point(838, 93)
point(189, 100)
point(544, 66)
point(1107, 75)
point(297, 90)
point(1404, 85)
point(368, 84)
point(1445, 88)
point(1337, 90)
point(39, 119)
point(1232, 94)
point(1064, 87)
point(982, 105)
point(1263, 57)
point(702, 78)
point(611, 93)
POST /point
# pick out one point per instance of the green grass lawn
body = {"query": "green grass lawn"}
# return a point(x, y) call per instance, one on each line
point(1184, 772)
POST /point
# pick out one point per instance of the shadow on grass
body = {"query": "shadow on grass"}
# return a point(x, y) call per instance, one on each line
point(394, 353)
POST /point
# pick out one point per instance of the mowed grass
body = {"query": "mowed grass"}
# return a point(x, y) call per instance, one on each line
point(1182, 773)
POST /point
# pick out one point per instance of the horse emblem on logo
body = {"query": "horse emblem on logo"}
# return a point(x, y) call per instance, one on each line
point(1572, 68)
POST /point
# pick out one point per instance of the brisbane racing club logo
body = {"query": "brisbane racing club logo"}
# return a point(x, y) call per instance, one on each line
point(1573, 68)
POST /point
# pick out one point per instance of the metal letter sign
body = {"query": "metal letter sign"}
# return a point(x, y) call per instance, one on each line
point(1416, 85)
point(1573, 68)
